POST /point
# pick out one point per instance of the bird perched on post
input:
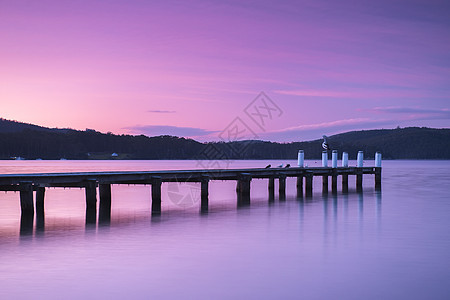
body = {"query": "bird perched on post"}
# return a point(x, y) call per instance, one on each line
point(325, 144)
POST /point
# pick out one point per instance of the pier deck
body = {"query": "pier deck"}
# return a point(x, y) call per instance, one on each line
point(35, 184)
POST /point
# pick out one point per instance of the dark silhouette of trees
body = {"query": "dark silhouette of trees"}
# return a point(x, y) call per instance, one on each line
point(32, 142)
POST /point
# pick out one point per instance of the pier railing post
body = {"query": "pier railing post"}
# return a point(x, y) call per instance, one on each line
point(204, 193)
point(344, 159)
point(105, 202)
point(359, 172)
point(334, 157)
point(301, 158)
point(156, 195)
point(324, 159)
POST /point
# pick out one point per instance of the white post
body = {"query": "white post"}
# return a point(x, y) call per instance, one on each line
point(324, 159)
point(301, 158)
point(378, 160)
point(345, 159)
point(334, 155)
point(359, 162)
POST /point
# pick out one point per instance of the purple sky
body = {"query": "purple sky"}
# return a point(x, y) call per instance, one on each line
point(194, 68)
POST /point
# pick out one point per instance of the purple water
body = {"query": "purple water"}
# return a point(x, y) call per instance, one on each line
point(389, 245)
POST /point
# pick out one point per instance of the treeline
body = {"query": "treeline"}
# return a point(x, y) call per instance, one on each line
point(33, 142)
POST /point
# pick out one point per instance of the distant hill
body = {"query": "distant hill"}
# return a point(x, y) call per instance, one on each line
point(31, 142)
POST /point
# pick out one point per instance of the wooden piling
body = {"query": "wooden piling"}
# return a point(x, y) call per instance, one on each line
point(204, 193)
point(377, 178)
point(282, 186)
point(91, 202)
point(244, 188)
point(325, 184)
point(271, 188)
point(345, 183)
point(334, 181)
point(105, 203)
point(309, 184)
point(271, 184)
point(91, 193)
point(26, 197)
point(156, 195)
point(359, 179)
point(40, 214)
point(299, 186)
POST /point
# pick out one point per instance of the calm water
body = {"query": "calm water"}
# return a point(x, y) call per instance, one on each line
point(393, 244)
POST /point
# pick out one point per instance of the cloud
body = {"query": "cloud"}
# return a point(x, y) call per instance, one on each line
point(155, 130)
point(413, 113)
point(411, 110)
point(157, 111)
point(315, 131)
point(315, 93)
point(394, 116)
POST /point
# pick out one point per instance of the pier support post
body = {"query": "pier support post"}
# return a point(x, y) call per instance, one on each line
point(27, 208)
point(91, 201)
point(282, 186)
point(345, 183)
point(309, 184)
point(334, 181)
point(359, 179)
point(26, 198)
point(244, 188)
point(300, 186)
point(105, 203)
point(377, 178)
point(271, 188)
point(204, 193)
point(40, 214)
point(156, 195)
point(325, 184)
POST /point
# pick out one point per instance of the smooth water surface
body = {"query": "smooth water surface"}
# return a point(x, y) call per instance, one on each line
point(393, 244)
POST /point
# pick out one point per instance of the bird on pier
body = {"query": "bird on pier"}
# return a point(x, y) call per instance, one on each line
point(288, 166)
point(280, 166)
point(268, 166)
point(325, 144)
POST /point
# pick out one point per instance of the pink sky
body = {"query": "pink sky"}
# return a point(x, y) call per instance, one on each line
point(190, 68)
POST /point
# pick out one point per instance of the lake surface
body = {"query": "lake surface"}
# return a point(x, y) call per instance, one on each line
point(393, 244)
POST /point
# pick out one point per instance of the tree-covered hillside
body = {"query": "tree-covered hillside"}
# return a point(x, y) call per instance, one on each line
point(32, 142)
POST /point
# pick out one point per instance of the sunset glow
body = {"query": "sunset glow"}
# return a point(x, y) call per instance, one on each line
point(190, 68)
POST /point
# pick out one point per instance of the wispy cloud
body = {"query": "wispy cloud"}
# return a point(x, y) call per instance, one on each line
point(411, 110)
point(157, 111)
point(155, 130)
point(315, 93)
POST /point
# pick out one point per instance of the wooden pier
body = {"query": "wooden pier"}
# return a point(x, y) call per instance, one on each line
point(29, 184)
